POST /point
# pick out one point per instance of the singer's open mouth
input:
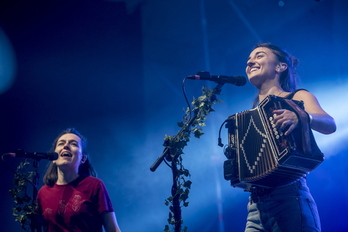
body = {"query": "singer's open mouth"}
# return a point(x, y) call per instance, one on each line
point(66, 154)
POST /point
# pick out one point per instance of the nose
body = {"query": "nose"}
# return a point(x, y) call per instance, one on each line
point(250, 62)
point(66, 146)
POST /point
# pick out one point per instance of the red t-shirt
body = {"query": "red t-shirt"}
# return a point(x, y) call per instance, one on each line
point(76, 206)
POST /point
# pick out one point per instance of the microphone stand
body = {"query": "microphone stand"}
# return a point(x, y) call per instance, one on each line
point(171, 155)
point(34, 225)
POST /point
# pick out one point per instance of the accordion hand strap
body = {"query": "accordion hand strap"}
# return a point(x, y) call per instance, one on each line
point(304, 126)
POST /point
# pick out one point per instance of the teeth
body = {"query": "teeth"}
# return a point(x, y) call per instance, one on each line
point(66, 154)
point(253, 69)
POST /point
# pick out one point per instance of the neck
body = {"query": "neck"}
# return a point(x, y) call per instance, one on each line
point(65, 177)
point(271, 90)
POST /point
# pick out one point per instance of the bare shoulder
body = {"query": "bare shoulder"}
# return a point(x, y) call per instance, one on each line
point(306, 96)
point(310, 101)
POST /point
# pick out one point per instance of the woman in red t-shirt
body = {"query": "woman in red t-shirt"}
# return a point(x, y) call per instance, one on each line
point(73, 199)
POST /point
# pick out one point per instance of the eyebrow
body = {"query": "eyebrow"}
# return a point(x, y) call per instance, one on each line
point(63, 140)
point(257, 54)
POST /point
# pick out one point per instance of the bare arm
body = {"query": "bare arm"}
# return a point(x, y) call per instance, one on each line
point(321, 121)
point(110, 222)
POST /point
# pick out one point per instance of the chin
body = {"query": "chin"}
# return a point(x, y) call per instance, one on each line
point(252, 80)
point(62, 162)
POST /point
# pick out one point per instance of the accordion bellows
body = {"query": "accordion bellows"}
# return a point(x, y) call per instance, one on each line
point(261, 155)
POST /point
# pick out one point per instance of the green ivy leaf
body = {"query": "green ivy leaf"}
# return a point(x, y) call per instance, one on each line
point(166, 228)
point(185, 204)
point(187, 184)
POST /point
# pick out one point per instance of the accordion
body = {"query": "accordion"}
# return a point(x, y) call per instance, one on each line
point(260, 155)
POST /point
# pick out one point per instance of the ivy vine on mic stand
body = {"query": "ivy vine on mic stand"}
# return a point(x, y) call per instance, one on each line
point(25, 209)
point(174, 145)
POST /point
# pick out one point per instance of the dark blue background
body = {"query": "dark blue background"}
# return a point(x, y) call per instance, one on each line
point(113, 70)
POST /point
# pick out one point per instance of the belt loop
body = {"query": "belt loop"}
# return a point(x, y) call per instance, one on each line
point(299, 183)
point(297, 186)
point(254, 196)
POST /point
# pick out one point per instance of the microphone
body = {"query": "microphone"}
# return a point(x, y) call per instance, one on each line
point(34, 155)
point(221, 79)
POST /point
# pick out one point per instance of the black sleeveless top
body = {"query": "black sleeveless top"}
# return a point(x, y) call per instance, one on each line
point(291, 95)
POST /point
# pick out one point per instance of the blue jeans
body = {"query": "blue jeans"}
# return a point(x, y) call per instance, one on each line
point(284, 209)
